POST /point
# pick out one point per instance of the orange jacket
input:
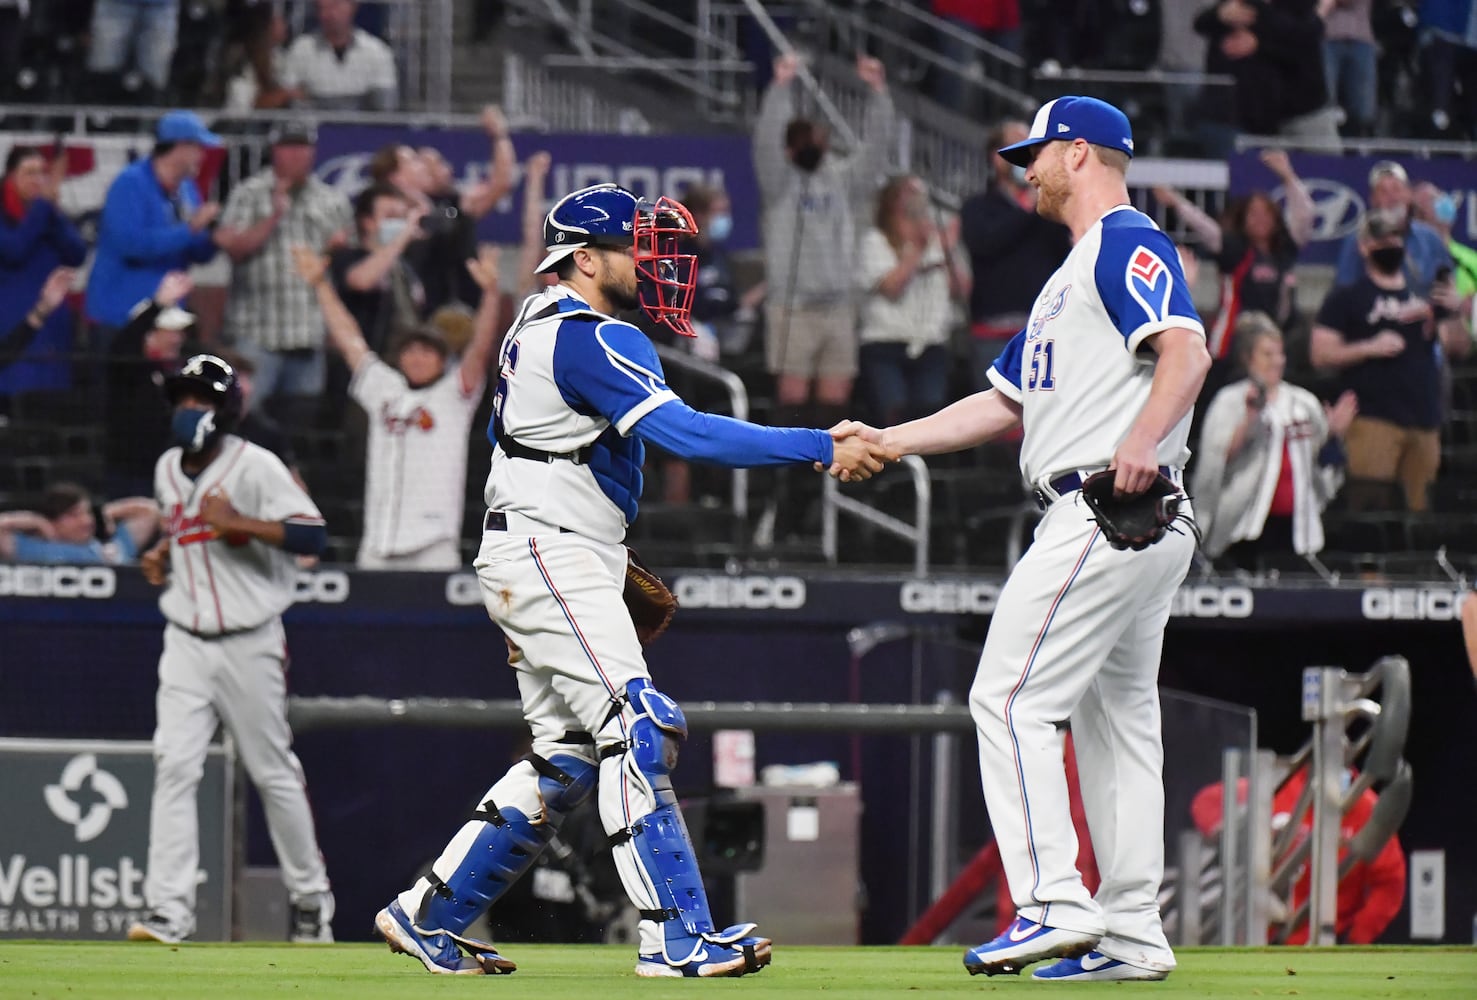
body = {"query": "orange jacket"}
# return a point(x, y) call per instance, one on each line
point(1371, 893)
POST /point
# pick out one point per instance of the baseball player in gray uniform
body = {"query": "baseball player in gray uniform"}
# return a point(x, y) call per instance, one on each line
point(234, 520)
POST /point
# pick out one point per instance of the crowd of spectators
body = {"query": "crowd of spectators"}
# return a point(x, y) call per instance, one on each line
point(392, 276)
point(871, 303)
point(1311, 69)
point(235, 54)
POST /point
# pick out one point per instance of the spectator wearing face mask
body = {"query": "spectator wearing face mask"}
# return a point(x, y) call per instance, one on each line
point(717, 304)
point(811, 196)
point(1383, 339)
point(1437, 209)
point(1425, 250)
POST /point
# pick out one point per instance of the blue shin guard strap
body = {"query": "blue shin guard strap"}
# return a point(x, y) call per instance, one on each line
point(498, 856)
point(666, 853)
point(506, 845)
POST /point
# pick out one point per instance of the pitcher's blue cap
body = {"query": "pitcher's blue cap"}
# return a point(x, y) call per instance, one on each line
point(1069, 118)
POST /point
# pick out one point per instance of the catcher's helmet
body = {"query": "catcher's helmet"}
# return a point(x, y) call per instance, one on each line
point(600, 216)
point(211, 377)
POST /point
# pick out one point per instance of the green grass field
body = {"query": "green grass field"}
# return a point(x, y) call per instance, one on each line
point(108, 971)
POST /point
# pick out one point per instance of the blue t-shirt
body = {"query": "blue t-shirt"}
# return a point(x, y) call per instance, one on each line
point(117, 550)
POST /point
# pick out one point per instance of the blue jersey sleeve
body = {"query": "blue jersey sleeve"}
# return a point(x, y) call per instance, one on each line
point(1140, 281)
point(1005, 373)
point(609, 368)
point(708, 437)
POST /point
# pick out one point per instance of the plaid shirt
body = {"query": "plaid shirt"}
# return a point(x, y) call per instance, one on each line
point(270, 305)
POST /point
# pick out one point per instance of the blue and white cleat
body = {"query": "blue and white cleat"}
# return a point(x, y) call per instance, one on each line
point(1095, 967)
point(1023, 943)
point(733, 951)
point(439, 951)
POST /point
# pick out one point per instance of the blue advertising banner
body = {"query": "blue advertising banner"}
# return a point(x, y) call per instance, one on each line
point(649, 165)
point(1340, 189)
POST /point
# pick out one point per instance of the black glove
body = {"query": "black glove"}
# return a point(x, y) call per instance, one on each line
point(1132, 522)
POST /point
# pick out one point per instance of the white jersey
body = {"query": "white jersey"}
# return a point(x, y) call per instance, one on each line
point(416, 462)
point(569, 379)
point(220, 584)
point(1077, 369)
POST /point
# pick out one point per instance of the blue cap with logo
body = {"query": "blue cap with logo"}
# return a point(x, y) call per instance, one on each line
point(185, 126)
point(1069, 118)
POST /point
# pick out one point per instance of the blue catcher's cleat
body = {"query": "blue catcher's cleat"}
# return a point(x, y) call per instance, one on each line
point(732, 951)
point(439, 951)
point(1095, 967)
point(1023, 943)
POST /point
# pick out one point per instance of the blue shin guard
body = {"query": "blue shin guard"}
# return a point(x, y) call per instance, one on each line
point(508, 841)
point(655, 855)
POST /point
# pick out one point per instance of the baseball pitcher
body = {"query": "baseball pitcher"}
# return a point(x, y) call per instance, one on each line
point(1103, 379)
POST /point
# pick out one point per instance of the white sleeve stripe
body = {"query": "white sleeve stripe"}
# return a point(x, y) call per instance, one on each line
point(1136, 339)
point(1000, 382)
point(613, 354)
point(641, 409)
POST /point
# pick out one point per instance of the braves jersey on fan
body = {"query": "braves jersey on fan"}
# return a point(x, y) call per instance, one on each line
point(1077, 369)
point(569, 378)
point(414, 491)
point(222, 583)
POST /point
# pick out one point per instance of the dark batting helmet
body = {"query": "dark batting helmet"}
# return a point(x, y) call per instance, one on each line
point(208, 376)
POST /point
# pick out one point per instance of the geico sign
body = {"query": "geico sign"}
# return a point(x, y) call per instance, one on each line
point(949, 597)
point(463, 590)
point(329, 586)
point(94, 582)
point(754, 592)
point(1212, 602)
point(1425, 604)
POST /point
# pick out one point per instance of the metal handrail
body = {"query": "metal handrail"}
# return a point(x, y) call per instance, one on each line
point(602, 51)
point(651, 63)
point(324, 712)
point(692, 31)
point(839, 126)
point(1424, 148)
point(953, 30)
point(834, 503)
point(1146, 77)
point(738, 399)
point(1012, 97)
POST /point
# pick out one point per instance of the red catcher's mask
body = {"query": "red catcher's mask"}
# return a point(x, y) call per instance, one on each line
point(666, 280)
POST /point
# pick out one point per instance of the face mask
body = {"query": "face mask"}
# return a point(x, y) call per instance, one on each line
point(193, 430)
point(391, 230)
point(1387, 260)
point(1445, 209)
point(720, 227)
point(807, 158)
point(1018, 174)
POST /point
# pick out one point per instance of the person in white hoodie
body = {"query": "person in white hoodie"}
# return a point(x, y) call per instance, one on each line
point(1259, 487)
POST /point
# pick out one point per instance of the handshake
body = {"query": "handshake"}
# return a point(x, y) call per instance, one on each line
point(860, 452)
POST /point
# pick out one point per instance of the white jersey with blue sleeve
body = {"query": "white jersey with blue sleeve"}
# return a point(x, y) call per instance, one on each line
point(1077, 369)
point(571, 379)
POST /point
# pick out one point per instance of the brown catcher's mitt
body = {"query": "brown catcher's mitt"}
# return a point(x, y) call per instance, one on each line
point(648, 600)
